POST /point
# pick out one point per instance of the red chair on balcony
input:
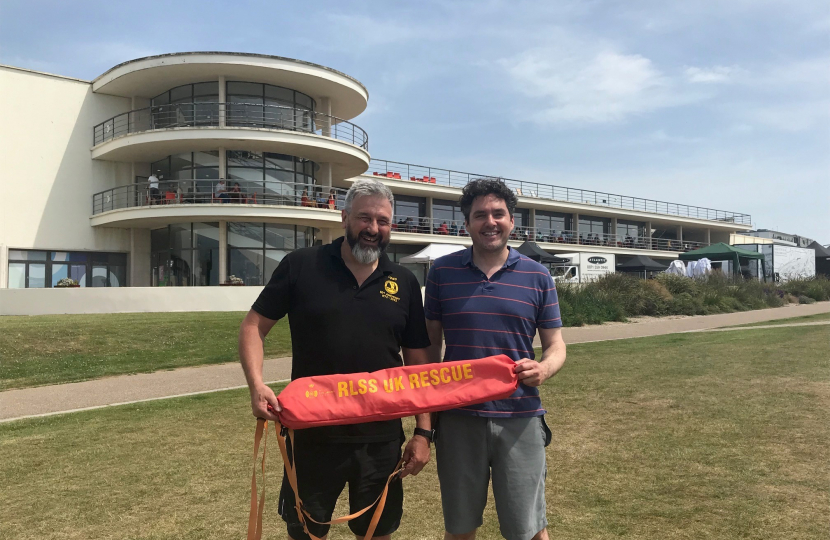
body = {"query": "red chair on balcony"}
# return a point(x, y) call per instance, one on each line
point(397, 176)
point(432, 180)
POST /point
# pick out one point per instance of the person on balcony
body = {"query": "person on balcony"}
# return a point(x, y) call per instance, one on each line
point(454, 229)
point(221, 191)
point(304, 198)
point(155, 194)
point(442, 229)
point(235, 195)
point(330, 202)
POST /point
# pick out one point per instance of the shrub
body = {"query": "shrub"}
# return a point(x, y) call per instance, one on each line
point(617, 296)
point(806, 300)
point(817, 288)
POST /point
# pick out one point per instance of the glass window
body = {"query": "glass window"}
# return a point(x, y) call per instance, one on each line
point(206, 89)
point(181, 94)
point(37, 276)
point(206, 235)
point(594, 225)
point(245, 235)
point(118, 276)
point(242, 158)
point(19, 255)
point(206, 159)
point(282, 95)
point(244, 89)
point(17, 275)
point(521, 217)
point(206, 267)
point(406, 206)
point(246, 264)
point(73, 271)
point(279, 236)
point(304, 101)
point(180, 236)
point(99, 276)
point(280, 161)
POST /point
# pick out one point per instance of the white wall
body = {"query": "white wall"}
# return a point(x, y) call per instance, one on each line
point(125, 300)
point(47, 176)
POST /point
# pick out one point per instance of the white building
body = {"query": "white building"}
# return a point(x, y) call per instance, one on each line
point(80, 201)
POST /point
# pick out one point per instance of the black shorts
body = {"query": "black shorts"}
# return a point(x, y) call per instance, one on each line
point(324, 469)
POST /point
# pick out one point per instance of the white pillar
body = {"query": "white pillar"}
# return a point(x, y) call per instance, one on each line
point(223, 163)
point(324, 107)
point(708, 236)
point(223, 251)
point(326, 235)
point(223, 98)
point(575, 224)
point(429, 208)
point(325, 175)
point(139, 259)
point(4, 266)
point(680, 233)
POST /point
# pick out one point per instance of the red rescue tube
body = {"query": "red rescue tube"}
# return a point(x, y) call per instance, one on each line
point(329, 400)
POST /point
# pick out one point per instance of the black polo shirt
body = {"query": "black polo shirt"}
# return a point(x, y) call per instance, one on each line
point(338, 327)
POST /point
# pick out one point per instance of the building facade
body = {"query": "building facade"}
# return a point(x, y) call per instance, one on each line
point(197, 170)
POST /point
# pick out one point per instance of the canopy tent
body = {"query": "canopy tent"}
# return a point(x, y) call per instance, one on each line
point(723, 252)
point(641, 263)
point(822, 258)
point(531, 250)
point(432, 252)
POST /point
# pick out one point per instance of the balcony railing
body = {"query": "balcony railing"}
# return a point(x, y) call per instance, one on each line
point(444, 177)
point(212, 114)
point(443, 227)
point(176, 192)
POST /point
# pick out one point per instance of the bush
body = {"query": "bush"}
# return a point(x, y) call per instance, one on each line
point(617, 296)
point(817, 288)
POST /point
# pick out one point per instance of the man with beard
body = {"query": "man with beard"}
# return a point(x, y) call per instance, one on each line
point(488, 300)
point(350, 310)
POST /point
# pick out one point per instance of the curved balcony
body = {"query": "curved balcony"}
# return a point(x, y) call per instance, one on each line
point(138, 205)
point(154, 132)
point(559, 239)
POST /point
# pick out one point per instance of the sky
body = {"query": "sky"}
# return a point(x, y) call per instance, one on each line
point(717, 104)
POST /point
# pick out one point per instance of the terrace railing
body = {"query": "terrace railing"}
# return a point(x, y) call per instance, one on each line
point(170, 192)
point(445, 177)
point(443, 227)
point(212, 114)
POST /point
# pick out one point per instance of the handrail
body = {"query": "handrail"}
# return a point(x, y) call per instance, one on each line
point(215, 114)
point(267, 192)
point(446, 227)
point(446, 177)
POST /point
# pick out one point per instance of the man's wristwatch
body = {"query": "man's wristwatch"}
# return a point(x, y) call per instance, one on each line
point(428, 434)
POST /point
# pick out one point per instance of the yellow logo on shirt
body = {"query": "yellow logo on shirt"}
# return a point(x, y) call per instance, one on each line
point(390, 289)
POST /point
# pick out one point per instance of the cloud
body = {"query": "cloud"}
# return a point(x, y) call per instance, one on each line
point(717, 74)
point(605, 86)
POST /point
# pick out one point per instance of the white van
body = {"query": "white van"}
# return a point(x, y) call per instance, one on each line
point(583, 267)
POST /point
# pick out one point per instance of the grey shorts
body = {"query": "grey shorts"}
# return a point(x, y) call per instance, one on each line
point(471, 448)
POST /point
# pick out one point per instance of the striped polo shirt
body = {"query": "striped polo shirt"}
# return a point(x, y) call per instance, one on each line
point(484, 317)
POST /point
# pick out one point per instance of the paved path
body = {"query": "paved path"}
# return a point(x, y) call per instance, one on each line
point(47, 400)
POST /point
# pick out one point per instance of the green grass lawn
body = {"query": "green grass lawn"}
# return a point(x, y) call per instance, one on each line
point(792, 320)
point(53, 349)
point(719, 436)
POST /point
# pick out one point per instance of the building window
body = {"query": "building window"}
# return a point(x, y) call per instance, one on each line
point(594, 225)
point(264, 105)
point(185, 254)
point(255, 249)
point(272, 175)
point(194, 173)
point(631, 229)
point(32, 269)
point(553, 223)
point(187, 105)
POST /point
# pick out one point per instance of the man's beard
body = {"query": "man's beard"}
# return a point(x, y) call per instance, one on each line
point(365, 254)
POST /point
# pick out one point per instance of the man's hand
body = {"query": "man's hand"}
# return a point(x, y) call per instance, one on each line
point(531, 372)
point(416, 455)
point(261, 397)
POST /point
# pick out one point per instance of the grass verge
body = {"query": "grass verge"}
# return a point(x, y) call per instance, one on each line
point(720, 436)
point(817, 317)
point(53, 349)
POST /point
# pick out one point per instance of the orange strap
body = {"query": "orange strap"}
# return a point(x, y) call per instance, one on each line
point(255, 515)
